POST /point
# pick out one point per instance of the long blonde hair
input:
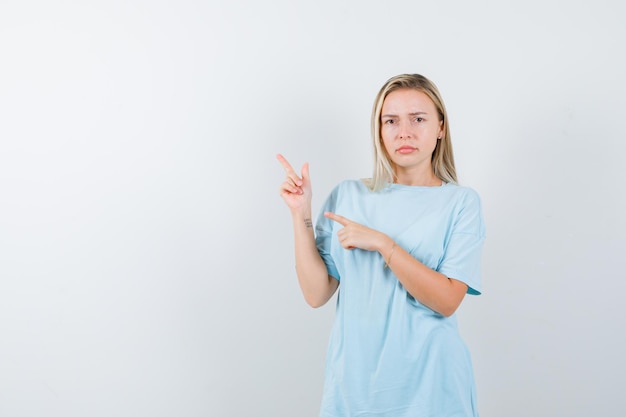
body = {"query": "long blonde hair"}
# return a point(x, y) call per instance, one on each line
point(442, 158)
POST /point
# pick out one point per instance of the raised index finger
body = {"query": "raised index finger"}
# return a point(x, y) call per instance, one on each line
point(285, 164)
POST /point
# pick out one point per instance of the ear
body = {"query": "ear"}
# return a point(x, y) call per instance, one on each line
point(440, 133)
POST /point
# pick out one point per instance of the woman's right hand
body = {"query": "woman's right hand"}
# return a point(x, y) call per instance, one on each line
point(295, 190)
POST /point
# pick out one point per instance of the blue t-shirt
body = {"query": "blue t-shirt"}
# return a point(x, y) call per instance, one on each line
point(388, 354)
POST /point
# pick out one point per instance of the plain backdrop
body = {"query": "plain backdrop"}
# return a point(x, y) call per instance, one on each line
point(146, 259)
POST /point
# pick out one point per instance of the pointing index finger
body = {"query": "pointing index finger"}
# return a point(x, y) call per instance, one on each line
point(339, 219)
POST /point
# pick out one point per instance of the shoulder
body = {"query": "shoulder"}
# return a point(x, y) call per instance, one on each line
point(346, 190)
point(463, 200)
point(350, 186)
point(468, 208)
point(462, 193)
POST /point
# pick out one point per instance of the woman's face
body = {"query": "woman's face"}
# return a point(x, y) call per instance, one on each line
point(409, 129)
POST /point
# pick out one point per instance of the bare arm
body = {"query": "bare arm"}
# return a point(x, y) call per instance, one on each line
point(316, 285)
point(435, 290)
point(440, 293)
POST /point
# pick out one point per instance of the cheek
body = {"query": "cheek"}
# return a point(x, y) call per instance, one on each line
point(386, 143)
point(387, 134)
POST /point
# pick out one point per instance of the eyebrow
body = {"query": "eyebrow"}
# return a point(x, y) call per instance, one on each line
point(417, 113)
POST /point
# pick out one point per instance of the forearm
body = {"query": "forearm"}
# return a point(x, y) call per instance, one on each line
point(316, 285)
point(429, 287)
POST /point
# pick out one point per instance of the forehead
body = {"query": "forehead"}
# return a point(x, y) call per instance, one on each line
point(407, 100)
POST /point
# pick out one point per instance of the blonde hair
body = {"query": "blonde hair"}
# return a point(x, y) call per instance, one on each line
point(442, 158)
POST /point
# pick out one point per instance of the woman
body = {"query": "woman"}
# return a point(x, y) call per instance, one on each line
point(405, 246)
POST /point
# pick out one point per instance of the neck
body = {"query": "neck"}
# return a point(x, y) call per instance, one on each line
point(424, 179)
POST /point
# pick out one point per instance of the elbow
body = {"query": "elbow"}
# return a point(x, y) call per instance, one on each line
point(445, 308)
point(319, 295)
point(316, 299)
point(451, 302)
point(315, 302)
point(448, 311)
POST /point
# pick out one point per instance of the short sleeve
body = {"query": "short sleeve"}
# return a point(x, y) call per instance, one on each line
point(463, 252)
point(324, 235)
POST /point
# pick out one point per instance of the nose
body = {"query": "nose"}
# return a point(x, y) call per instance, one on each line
point(404, 132)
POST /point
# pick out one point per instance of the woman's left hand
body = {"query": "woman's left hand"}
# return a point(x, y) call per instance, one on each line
point(354, 235)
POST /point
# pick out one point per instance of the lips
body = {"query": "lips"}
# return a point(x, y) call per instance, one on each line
point(406, 149)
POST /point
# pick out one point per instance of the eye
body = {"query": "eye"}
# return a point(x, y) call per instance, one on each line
point(389, 121)
point(419, 119)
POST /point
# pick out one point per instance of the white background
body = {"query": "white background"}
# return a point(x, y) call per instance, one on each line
point(146, 258)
